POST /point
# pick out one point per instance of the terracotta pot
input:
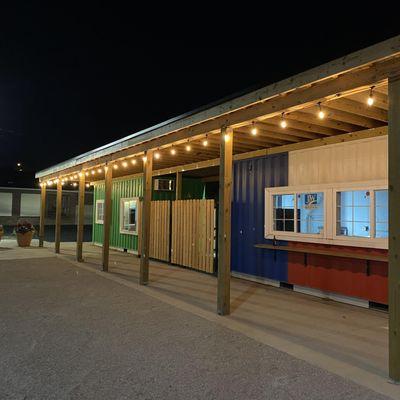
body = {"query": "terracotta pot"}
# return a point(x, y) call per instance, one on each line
point(24, 239)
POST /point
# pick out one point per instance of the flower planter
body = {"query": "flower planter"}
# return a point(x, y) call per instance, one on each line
point(24, 239)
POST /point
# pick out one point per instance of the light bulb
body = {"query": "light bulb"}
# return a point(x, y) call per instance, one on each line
point(173, 151)
point(283, 121)
point(93, 172)
point(87, 185)
point(133, 161)
point(115, 166)
point(144, 158)
point(370, 100)
point(254, 131)
point(156, 156)
point(205, 142)
point(87, 173)
point(188, 147)
point(99, 170)
point(124, 164)
point(226, 137)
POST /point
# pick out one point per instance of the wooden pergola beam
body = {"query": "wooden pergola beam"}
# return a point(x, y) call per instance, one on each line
point(345, 116)
point(107, 209)
point(57, 227)
point(42, 213)
point(326, 122)
point(81, 217)
point(326, 89)
point(394, 229)
point(145, 219)
point(224, 222)
point(355, 107)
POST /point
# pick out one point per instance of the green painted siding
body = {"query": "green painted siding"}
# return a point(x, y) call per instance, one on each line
point(132, 187)
point(192, 188)
point(120, 189)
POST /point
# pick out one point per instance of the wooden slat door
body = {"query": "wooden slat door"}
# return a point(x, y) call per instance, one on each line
point(160, 233)
point(193, 226)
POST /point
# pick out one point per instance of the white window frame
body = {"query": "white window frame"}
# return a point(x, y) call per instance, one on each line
point(269, 222)
point(97, 220)
point(329, 235)
point(121, 215)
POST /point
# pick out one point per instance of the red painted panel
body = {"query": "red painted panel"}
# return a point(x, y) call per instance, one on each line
point(340, 275)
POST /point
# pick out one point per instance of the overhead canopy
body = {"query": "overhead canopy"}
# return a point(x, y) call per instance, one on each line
point(340, 89)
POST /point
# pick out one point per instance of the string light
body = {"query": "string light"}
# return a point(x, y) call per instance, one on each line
point(254, 130)
point(99, 170)
point(371, 100)
point(115, 166)
point(87, 173)
point(133, 161)
point(157, 156)
point(283, 121)
point(226, 137)
point(144, 158)
point(93, 172)
point(205, 142)
point(124, 164)
point(75, 176)
point(173, 151)
point(87, 185)
point(49, 183)
point(188, 147)
point(74, 184)
point(321, 114)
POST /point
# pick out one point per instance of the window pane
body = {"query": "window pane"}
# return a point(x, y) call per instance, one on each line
point(381, 198)
point(129, 216)
point(100, 211)
point(310, 213)
point(381, 214)
point(353, 213)
point(283, 212)
point(381, 230)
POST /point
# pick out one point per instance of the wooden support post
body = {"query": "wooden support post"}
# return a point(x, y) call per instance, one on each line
point(224, 222)
point(394, 228)
point(178, 186)
point(145, 218)
point(81, 217)
point(107, 216)
point(42, 212)
point(58, 217)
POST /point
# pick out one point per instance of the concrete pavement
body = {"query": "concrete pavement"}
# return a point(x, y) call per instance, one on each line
point(68, 333)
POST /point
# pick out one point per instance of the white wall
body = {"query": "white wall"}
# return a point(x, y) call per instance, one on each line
point(30, 205)
point(360, 160)
point(5, 204)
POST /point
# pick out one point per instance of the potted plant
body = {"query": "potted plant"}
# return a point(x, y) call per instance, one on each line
point(24, 231)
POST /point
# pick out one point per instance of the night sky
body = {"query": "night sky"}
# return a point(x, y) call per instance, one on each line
point(71, 82)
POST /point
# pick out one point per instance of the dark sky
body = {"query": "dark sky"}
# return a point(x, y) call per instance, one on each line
point(71, 82)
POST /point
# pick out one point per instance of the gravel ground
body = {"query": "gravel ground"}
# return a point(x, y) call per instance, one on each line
point(67, 333)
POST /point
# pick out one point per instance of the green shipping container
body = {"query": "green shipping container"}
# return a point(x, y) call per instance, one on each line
point(133, 187)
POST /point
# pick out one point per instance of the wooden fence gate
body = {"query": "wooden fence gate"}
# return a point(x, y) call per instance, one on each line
point(160, 232)
point(192, 239)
